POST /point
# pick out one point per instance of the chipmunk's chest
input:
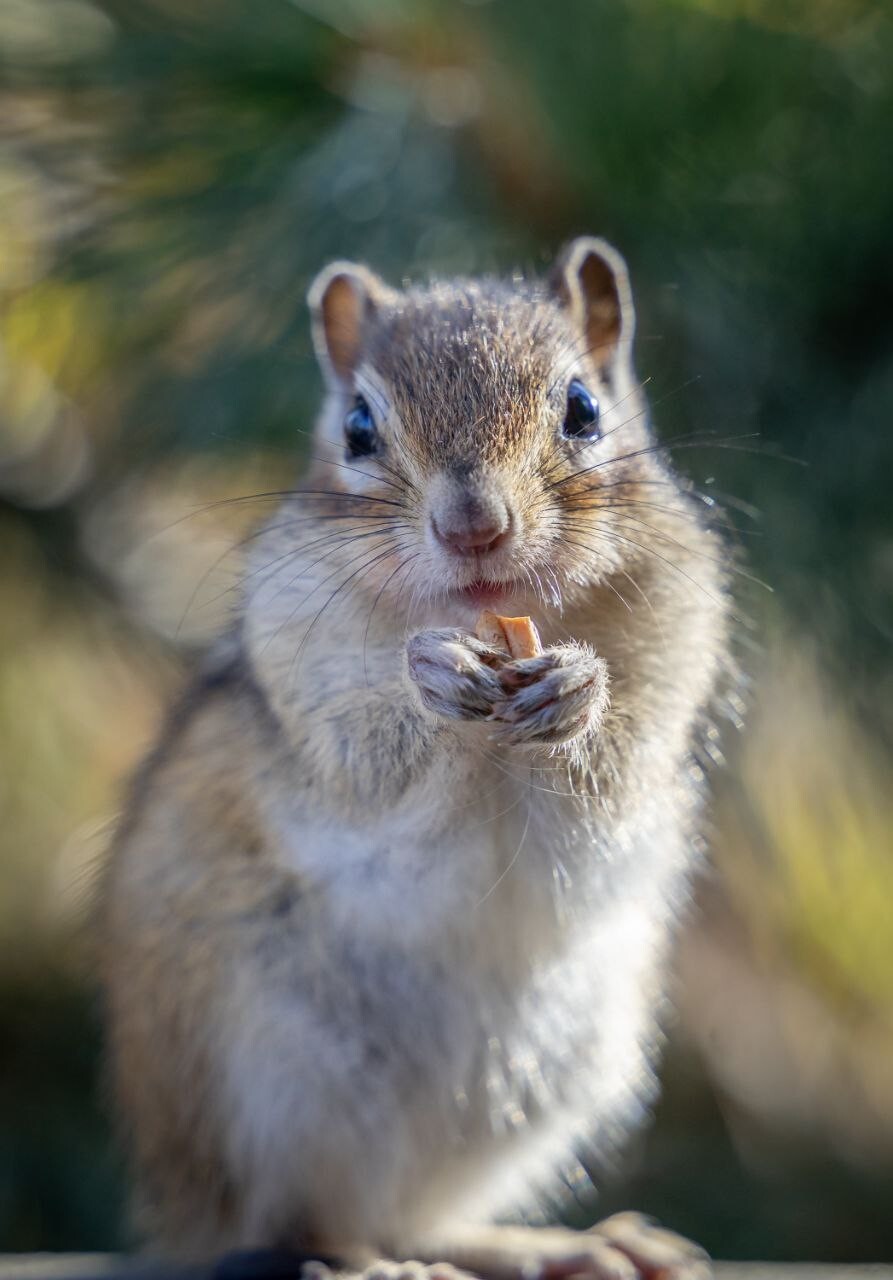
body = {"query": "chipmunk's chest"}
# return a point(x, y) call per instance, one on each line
point(481, 913)
point(477, 860)
point(491, 1048)
point(496, 991)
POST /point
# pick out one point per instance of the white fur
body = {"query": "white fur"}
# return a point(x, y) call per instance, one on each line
point(499, 937)
point(528, 931)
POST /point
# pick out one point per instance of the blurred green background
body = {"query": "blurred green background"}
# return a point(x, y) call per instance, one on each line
point(172, 173)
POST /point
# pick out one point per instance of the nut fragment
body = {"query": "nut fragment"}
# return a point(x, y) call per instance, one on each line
point(518, 635)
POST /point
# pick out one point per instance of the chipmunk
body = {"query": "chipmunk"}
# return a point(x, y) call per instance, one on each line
point(385, 926)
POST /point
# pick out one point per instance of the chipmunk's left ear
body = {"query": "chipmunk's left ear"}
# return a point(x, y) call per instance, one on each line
point(590, 279)
point(343, 301)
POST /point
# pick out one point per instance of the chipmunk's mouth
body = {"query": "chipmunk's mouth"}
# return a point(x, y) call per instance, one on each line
point(481, 592)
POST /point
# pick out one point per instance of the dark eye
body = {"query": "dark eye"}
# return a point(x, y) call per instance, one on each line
point(359, 430)
point(581, 419)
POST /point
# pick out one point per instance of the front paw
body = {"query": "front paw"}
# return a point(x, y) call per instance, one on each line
point(454, 673)
point(557, 697)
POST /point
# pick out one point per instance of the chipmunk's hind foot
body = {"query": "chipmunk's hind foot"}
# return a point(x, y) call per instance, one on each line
point(627, 1246)
point(654, 1252)
point(385, 1269)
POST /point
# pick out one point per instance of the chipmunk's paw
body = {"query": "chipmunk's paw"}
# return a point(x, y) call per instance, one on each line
point(553, 698)
point(454, 673)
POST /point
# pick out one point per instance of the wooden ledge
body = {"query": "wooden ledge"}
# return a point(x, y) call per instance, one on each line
point(100, 1266)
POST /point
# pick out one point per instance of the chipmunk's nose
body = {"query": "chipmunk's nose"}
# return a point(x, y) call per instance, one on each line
point(471, 521)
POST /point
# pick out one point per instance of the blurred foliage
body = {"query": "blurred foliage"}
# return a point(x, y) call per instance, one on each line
point(61, 1187)
point(826, 894)
point(172, 173)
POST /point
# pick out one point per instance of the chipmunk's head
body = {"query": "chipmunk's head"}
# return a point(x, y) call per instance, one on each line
point(495, 429)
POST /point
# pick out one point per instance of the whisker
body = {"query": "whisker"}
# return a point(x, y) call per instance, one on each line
point(399, 481)
point(702, 555)
point(302, 572)
point(259, 533)
point(674, 513)
point(619, 537)
point(345, 466)
point(274, 495)
point(402, 565)
point(367, 564)
point(638, 524)
point(335, 540)
point(514, 858)
point(503, 768)
point(683, 442)
point(715, 511)
point(650, 607)
point(571, 542)
point(587, 546)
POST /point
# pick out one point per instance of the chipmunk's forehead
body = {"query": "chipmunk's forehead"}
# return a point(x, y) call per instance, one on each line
point(471, 326)
point(470, 367)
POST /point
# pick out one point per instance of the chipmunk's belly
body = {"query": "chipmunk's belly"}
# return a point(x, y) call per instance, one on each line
point(494, 1023)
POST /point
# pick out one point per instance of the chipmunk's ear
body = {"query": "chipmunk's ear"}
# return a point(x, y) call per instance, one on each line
point(343, 299)
point(590, 279)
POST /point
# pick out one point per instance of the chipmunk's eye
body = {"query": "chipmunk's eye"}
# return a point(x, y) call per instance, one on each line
point(581, 419)
point(359, 430)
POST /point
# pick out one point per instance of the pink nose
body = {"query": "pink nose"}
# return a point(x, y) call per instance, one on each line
point(482, 530)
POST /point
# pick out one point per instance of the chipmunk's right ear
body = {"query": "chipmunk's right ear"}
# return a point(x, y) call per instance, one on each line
point(343, 299)
point(591, 281)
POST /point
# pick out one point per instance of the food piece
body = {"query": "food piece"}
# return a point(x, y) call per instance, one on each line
point(518, 635)
point(489, 629)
